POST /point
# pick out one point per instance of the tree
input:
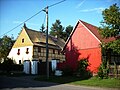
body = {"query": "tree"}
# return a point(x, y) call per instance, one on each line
point(67, 32)
point(111, 27)
point(57, 29)
point(6, 44)
point(42, 28)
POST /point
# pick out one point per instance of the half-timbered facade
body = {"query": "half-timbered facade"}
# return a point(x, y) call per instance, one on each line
point(31, 45)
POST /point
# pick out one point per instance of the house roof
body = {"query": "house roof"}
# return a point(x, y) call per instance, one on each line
point(93, 30)
point(39, 38)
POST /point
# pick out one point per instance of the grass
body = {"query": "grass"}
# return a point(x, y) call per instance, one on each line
point(94, 81)
point(61, 80)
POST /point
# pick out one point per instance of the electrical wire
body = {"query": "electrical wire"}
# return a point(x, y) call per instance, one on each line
point(22, 23)
point(33, 16)
point(56, 3)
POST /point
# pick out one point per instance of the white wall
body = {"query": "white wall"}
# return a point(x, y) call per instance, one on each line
point(23, 56)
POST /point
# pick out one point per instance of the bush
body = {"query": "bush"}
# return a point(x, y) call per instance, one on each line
point(103, 70)
point(17, 67)
point(67, 71)
point(8, 66)
point(82, 70)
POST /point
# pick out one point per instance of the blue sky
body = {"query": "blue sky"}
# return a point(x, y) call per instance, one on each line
point(14, 12)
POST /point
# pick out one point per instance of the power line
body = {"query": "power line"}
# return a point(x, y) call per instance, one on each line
point(32, 17)
point(22, 23)
point(56, 3)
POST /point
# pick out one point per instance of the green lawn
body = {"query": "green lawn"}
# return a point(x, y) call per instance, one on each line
point(110, 83)
point(94, 81)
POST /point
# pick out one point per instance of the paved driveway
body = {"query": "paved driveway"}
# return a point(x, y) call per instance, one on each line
point(27, 83)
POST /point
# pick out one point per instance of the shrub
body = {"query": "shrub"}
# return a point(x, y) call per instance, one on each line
point(67, 70)
point(103, 70)
point(8, 66)
point(82, 70)
point(17, 67)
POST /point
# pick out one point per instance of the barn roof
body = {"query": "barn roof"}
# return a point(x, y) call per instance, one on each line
point(93, 30)
point(39, 38)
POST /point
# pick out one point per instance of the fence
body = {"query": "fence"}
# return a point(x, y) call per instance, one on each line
point(114, 71)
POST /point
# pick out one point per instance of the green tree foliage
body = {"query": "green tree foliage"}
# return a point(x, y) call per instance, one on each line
point(111, 27)
point(82, 70)
point(103, 70)
point(6, 44)
point(42, 28)
point(57, 29)
point(67, 32)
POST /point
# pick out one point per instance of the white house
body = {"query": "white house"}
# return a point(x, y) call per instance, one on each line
point(31, 44)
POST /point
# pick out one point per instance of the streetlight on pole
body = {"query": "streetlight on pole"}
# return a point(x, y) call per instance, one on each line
point(47, 62)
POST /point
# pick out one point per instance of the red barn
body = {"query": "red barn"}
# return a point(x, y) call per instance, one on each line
point(84, 42)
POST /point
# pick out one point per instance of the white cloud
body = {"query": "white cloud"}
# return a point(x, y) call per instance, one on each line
point(80, 4)
point(93, 10)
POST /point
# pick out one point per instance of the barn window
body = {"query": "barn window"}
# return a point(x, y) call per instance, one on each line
point(27, 50)
point(18, 53)
point(23, 40)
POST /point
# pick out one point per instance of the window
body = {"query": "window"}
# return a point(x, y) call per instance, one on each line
point(39, 49)
point(53, 51)
point(18, 53)
point(23, 40)
point(58, 52)
point(19, 61)
point(27, 50)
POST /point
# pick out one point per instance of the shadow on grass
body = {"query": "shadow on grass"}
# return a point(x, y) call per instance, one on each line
point(37, 81)
point(59, 79)
point(93, 81)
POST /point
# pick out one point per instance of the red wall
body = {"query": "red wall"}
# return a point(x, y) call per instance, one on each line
point(94, 58)
point(83, 44)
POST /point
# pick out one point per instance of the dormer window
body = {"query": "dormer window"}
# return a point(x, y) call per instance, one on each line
point(23, 40)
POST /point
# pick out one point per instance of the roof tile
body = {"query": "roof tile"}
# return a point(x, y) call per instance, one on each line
point(38, 37)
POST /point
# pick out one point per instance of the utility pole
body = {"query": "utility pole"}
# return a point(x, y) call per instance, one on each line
point(46, 11)
point(47, 62)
